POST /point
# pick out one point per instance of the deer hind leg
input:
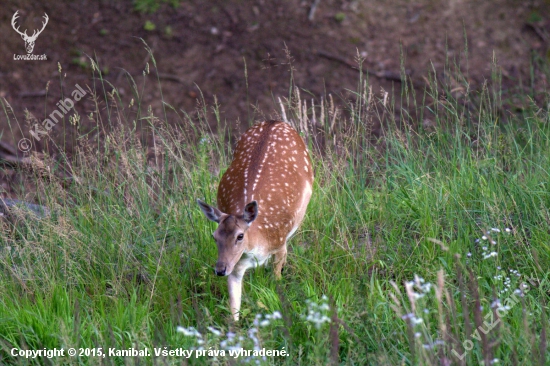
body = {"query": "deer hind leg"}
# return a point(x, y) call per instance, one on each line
point(280, 261)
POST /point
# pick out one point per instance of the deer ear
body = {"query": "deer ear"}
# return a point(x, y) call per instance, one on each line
point(250, 212)
point(212, 213)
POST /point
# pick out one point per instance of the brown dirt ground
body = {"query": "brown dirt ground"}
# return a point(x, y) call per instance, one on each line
point(205, 44)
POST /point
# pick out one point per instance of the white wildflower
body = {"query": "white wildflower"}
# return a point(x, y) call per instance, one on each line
point(189, 332)
point(318, 313)
point(214, 331)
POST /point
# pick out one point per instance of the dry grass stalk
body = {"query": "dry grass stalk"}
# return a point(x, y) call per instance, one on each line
point(478, 320)
point(333, 333)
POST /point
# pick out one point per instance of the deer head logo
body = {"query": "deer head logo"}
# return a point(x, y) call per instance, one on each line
point(29, 40)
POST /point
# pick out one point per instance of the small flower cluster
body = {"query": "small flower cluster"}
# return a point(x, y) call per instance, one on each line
point(192, 332)
point(507, 279)
point(267, 318)
point(418, 289)
point(438, 342)
point(498, 305)
point(233, 341)
point(488, 236)
point(515, 272)
point(414, 320)
point(420, 285)
point(318, 313)
point(523, 288)
point(260, 323)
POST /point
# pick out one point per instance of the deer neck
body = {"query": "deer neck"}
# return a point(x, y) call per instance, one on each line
point(255, 238)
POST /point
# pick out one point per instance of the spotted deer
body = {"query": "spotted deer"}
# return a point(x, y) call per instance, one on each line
point(262, 199)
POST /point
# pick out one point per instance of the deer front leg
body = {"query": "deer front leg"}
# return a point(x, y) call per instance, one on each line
point(235, 287)
point(280, 260)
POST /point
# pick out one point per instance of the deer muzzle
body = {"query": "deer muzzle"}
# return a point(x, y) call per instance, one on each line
point(221, 269)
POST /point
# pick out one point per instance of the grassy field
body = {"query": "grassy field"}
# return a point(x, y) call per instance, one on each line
point(428, 245)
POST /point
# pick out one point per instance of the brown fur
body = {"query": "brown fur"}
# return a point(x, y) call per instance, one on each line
point(262, 198)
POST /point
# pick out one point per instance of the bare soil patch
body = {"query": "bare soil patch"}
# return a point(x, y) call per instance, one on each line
point(206, 47)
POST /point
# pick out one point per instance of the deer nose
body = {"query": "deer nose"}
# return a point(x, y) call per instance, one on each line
point(220, 269)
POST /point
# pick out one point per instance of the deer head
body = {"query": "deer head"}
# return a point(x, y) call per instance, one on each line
point(231, 235)
point(29, 40)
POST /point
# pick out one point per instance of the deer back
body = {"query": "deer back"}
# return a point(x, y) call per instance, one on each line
point(272, 166)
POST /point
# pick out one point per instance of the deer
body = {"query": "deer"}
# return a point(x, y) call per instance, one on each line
point(261, 201)
point(29, 41)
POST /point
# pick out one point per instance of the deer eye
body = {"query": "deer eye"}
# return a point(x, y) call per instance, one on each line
point(240, 237)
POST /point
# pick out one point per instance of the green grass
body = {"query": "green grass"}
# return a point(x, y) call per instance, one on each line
point(126, 256)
